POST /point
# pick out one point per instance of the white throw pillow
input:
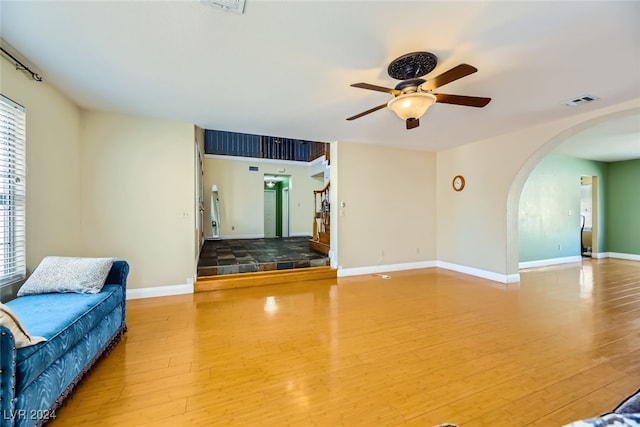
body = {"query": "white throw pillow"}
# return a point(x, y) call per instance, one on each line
point(67, 274)
point(9, 319)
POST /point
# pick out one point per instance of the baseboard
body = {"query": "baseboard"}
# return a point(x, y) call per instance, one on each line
point(550, 261)
point(484, 274)
point(618, 255)
point(300, 235)
point(243, 236)
point(358, 271)
point(160, 291)
point(496, 277)
point(253, 236)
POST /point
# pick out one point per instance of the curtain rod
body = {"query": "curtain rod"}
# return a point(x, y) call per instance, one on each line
point(20, 66)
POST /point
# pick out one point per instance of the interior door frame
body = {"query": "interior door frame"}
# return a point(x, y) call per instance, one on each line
point(286, 232)
point(265, 213)
point(593, 182)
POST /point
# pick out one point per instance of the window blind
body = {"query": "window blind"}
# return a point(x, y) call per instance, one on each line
point(12, 191)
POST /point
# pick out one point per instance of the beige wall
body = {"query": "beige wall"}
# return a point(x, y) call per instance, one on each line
point(106, 185)
point(472, 222)
point(478, 227)
point(53, 166)
point(138, 195)
point(241, 194)
point(117, 185)
point(475, 230)
point(389, 201)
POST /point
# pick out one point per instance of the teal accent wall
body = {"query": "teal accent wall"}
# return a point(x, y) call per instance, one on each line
point(623, 207)
point(545, 228)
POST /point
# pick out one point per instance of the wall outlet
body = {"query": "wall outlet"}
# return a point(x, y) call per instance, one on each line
point(559, 247)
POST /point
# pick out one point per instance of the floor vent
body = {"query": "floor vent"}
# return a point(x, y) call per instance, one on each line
point(236, 6)
point(580, 100)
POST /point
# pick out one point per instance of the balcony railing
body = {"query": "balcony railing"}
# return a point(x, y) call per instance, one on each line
point(263, 147)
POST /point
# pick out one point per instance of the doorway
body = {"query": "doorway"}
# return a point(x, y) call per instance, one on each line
point(276, 205)
point(269, 213)
point(588, 215)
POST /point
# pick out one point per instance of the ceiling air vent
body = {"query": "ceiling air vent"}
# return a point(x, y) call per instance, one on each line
point(236, 6)
point(580, 100)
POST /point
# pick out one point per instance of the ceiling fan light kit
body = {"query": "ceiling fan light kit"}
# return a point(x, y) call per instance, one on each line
point(413, 95)
point(411, 105)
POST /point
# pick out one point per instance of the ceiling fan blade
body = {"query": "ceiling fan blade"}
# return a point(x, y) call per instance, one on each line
point(453, 74)
point(376, 88)
point(469, 101)
point(364, 113)
point(413, 123)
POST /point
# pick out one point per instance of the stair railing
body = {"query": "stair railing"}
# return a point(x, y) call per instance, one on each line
point(321, 214)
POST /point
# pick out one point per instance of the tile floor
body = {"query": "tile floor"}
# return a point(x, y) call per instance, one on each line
point(251, 255)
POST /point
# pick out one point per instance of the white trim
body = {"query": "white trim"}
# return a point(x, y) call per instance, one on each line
point(321, 159)
point(550, 261)
point(618, 255)
point(490, 275)
point(255, 160)
point(332, 259)
point(161, 291)
point(300, 235)
point(318, 166)
point(357, 271)
point(242, 236)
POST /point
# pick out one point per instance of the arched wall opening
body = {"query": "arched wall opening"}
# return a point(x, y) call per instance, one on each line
point(515, 191)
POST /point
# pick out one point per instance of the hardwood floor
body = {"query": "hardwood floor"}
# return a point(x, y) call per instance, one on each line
point(421, 348)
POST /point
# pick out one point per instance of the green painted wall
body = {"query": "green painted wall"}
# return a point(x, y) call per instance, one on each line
point(546, 229)
point(623, 207)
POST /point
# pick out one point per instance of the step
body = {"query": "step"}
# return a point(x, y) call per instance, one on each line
point(262, 278)
point(321, 247)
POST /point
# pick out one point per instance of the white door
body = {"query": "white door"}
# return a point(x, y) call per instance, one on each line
point(269, 213)
point(285, 212)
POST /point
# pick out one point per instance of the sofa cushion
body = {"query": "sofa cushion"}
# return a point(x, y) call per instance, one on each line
point(10, 320)
point(70, 367)
point(61, 318)
point(67, 274)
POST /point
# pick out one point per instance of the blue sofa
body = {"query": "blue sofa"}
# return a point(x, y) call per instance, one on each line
point(79, 328)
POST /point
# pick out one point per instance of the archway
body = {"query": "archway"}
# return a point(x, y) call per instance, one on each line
point(513, 199)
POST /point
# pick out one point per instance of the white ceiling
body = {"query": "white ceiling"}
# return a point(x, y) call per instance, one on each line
point(283, 68)
point(614, 140)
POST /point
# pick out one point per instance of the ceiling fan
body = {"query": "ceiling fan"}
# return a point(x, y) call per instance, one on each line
point(413, 95)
